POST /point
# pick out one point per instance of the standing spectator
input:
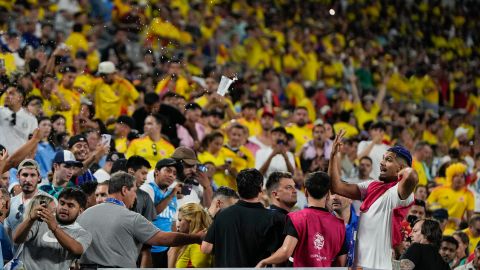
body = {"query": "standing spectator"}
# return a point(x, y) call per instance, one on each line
point(124, 125)
point(52, 238)
point(192, 131)
point(375, 148)
point(462, 253)
point(201, 185)
point(152, 146)
point(423, 253)
point(343, 208)
point(78, 145)
point(473, 231)
point(421, 155)
point(448, 249)
point(62, 169)
point(15, 122)
point(118, 233)
point(101, 192)
point(454, 196)
point(222, 198)
point(299, 128)
point(46, 148)
point(264, 138)
point(314, 154)
point(138, 167)
point(28, 176)
point(276, 157)
point(192, 218)
point(365, 166)
point(380, 199)
point(313, 224)
point(165, 201)
point(152, 105)
point(420, 193)
point(249, 118)
point(258, 237)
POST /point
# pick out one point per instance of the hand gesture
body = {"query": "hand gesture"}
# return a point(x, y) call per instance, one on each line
point(202, 179)
point(35, 213)
point(337, 143)
point(177, 189)
point(406, 173)
point(261, 264)
point(47, 216)
point(36, 135)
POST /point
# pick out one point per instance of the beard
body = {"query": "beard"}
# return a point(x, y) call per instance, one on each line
point(65, 221)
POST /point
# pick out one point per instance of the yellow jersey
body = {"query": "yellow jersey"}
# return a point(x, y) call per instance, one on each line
point(363, 116)
point(121, 145)
point(193, 257)
point(301, 134)
point(473, 240)
point(220, 178)
point(254, 126)
point(422, 174)
point(455, 202)
point(150, 150)
point(73, 98)
point(350, 131)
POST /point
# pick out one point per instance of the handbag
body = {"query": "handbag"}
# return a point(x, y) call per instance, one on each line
point(15, 263)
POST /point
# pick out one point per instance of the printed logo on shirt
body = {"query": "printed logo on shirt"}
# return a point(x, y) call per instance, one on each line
point(318, 241)
point(49, 239)
point(461, 199)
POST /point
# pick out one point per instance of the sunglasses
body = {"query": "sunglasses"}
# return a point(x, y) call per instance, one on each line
point(20, 210)
point(154, 149)
point(13, 121)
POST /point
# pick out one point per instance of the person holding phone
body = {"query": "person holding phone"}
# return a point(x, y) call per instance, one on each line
point(164, 197)
point(277, 157)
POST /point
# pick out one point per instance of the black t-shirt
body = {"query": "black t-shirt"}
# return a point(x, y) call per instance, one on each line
point(244, 234)
point(425, 256)
point(290, 230)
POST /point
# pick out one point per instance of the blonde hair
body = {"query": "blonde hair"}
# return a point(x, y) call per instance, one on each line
point(196, 216)
point(454, 169)
point(36, 202)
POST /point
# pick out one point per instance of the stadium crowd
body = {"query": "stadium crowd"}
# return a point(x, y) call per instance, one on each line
point(350, 135)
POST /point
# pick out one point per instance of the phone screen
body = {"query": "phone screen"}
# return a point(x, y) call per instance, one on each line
point(106, 138)
point(186, 189)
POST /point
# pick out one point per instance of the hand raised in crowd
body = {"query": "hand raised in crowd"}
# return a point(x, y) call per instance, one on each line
point(36, 135)
point(337, 143)
point(406, 173)
point(202, 179)
point(47, 216)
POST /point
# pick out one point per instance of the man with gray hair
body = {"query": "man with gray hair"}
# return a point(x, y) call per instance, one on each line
point(118, 233)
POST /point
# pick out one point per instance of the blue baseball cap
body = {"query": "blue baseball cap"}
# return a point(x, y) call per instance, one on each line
point(66, 157)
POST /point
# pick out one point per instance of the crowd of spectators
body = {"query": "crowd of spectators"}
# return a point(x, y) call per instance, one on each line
point(117, 148)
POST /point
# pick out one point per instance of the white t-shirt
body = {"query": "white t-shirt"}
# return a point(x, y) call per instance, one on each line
point(14, 136)
point(256, 141)
point(277, 164)
point(374, 244)
point(376, 155)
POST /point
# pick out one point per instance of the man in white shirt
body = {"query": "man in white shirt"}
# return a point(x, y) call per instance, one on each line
point(375, 148)
point(16, 123)
point(380, 198)
point(264, 139)
point(276, 158)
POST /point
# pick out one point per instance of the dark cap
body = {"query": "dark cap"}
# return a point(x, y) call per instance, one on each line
point(186, 155)
point(402, 152)
point(440, 214)
point(166, 162)
point(217, 112)
point(66, 157)
point(113, 156)
point(127, 120)
point(76, 139)
point(81, 55)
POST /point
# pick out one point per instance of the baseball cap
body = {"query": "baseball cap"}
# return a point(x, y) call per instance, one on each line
point(106, 67)
point(166, 162)
point(127, 120)
point(76, 139)
point(67, 157)
point(28, 164)
point(186, 155)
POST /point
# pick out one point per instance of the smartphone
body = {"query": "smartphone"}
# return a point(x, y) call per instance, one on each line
point(202, 168)
point(106, 138)
point(2, 63)
point(44, 204)
point(186, 189)
point(280, 142)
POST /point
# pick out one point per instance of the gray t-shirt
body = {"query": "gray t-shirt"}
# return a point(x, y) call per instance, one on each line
point(118, 235)
point(144, 205)
point(41, 250)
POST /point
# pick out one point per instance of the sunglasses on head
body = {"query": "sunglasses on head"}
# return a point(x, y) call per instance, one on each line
point(13, 121)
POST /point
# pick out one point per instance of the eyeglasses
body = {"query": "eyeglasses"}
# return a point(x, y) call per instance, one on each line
point(13, 121)
point(20, 210)
point(154, 149)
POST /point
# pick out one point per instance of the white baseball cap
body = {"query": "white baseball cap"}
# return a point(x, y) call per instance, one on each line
point(106, 67)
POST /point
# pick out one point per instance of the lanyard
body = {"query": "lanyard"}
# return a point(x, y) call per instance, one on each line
point(115, 201)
